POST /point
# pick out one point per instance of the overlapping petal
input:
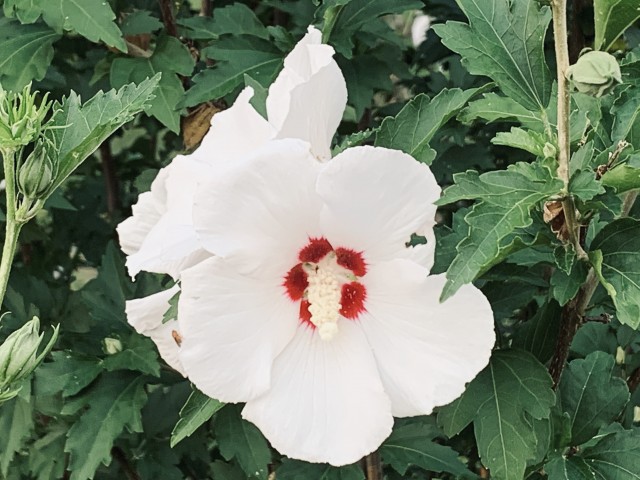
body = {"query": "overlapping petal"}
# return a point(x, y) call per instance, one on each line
point(159, 237)
point(265, 210)
point(232, 328)
point(326, 402)
point(308, 97)
point(374, 199)
point(146, 316)
point(426, 351)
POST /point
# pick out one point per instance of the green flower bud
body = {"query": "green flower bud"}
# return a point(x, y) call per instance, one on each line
point(112, 346)
point(595, 73)
point(36, 173)
point(21, 117)
point(19, 354)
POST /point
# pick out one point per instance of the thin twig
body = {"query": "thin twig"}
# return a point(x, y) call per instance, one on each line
point(127, 468)
point(634, 380)
point(110, 178)
point(169, 20)
point(206, 8)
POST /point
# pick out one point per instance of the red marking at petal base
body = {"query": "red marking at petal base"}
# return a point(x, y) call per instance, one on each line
point(352, 260)
point(315, 250)
point(296, 282)
point(352, 300)
point(305, 314)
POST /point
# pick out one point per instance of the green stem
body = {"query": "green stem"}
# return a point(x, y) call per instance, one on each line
point(12, 229)
point(559, 9)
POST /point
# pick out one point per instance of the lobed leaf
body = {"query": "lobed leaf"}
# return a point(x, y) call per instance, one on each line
point(197, 410)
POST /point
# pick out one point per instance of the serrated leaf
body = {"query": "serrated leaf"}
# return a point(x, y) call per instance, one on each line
point(297, 470)
point(585, 186)
point(236, 56)
point(626, 111)
point(615, 255)
point(503, 401)
point(416, 124)
point(67, 374)
point(140, 21)
point(412, 444)
point(197, 410)
point(236, 19)
point(114, 403)
point(505, 200)
point(504, 41)
point(568, 468)
point(529, 141)
point(46, 455)
point(26, 52)
point(356, 14)
point(241, 440)
point(616, 456)
point(591, 395)
point(16, 424)
point(93, 19)
point(494, 107)
point(565, 286)
point(612, 17)
point(90, 124)
point(170, 58)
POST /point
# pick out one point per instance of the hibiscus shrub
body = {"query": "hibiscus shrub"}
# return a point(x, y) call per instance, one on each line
point(320, 239)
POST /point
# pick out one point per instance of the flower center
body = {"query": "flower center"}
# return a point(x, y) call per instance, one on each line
point(327, 284)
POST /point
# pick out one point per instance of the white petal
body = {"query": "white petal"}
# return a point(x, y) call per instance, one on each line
point(146, 315)
point(160, 237)
point(309, 96)
point(234, 132)
point(426, 351)
point(375, 198)
point(232, 328)
point(266, 209)
point(326, 402)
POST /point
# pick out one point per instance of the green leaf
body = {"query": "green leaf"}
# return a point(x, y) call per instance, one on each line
point(506, 198)
point(416, 124)
point(494, 107)
point(67, 374)
point(571, 468)
point(297, 470)
point(615, 255)
point(612, 18)
point(172, 311)
point(197, 410)
point(26, 52)
point(170, 58)
point(538, 335)
point(241, 440)
point(504, 41)
point(591, 395)
point(565, 286)
point(82, 128)
point(616, 456)
point(138, 355)
point(356, 14)
point(626, 123)
point(236, 19)
point(593, 337)
point(503, 401)
point(622, 178)
point(412, 444)
point(529, 141)
point(46, 454)
point(93, 19)
point(114, 403)
point(236, 56)
point(16, 425)
point(140, 21)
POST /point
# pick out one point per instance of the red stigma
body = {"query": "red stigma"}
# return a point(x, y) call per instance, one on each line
point(305, 314)
point(351, 260)
point(315, 250)
point(296, 282)
point(352, 300)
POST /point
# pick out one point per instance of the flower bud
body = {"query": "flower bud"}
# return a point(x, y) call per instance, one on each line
point(21, 117)
point(19, 353)
point(111, 346)
point(595, 73)
point(36, 173)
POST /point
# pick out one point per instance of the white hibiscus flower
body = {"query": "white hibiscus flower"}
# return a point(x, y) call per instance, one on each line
point(159, 236)
point(314, 311)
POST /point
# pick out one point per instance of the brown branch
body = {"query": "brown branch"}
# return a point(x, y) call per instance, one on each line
point(110, 178)
point(634, 380)
point(206, 8)
point(120, 457)
point(577, 40)
point(373, 466)
point(168, 18)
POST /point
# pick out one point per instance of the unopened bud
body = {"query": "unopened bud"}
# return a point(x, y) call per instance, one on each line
point(36, 173)
point(21, 117)
point(19, 353)
point(595, 73)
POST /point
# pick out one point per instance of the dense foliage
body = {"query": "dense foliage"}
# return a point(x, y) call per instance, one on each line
point(477, 101)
